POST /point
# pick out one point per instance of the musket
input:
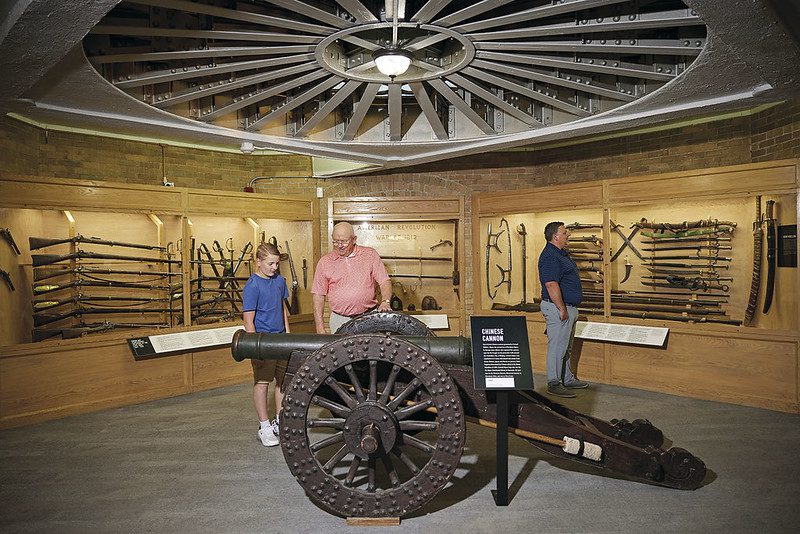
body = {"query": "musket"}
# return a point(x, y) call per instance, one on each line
point(49, 304)
point(681, 278)
point(688, 247)
point(294, 304)
point(685, 265)
point(581, 226)
point(692, 285)
point(690, 257)
point(47, 288)
point(586, 239)
point(755, 283)
point(689, 233)
point(639, 292)
point(685, 225)
point(81, 329)
point(6, 234)
point(41, 274)
point(681, 272)
point(49, 259)
point(702, 239)
point(771, 256)
point(681, 318)
point(422, 276)
point(42, 242)
point(6, 276)
point(41, 319)
point(214, 300)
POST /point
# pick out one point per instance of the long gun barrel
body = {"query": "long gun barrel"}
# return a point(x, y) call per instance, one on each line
point(42, 242)
point(261, 346)
point(42, 319)
point(49, 259)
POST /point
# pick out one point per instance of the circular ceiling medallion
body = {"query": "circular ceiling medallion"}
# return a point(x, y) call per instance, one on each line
point(306, 69)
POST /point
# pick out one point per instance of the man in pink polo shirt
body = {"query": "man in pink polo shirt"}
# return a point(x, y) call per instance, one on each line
point(348, 276)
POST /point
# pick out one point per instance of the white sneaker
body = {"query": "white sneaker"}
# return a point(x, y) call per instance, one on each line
point(276, 427)
point(268, 437)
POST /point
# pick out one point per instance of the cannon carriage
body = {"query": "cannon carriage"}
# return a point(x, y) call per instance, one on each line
point(373, 421)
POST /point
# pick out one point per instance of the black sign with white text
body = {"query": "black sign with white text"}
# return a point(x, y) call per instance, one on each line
point(501, 357)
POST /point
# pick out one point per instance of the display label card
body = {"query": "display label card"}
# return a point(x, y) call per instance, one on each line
point(622, 333)
point(436, 321)
point(151, 346)
point(501, 356)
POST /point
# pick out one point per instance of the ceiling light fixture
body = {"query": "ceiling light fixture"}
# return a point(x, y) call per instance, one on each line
point(392, 61)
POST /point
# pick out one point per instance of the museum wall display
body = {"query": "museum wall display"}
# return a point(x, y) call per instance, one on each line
point(710, 254)
point(89, 264)
point(421, 242)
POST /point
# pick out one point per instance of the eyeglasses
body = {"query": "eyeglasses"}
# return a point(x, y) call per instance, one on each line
point(340, 242)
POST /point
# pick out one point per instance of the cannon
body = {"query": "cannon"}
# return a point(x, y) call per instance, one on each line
point(373, 421)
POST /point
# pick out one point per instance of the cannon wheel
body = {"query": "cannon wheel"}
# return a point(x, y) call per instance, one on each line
point(392, 322)
point(358, 457)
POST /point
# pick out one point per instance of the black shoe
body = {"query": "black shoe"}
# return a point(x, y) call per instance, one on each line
point(576, 384)
point(560, 391)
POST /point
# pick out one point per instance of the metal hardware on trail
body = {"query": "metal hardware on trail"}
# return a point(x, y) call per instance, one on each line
point(373, 424)
point(755, 283)
point(772, 256)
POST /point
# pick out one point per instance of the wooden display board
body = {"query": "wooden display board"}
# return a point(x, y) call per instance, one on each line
point(407, 229)
point(52, 378)
point(756, 365)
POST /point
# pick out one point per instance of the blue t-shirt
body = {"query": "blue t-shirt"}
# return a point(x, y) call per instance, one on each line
point(265, 297)
point(555, 265)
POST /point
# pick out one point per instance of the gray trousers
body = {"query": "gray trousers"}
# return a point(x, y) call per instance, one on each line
point(559, 342)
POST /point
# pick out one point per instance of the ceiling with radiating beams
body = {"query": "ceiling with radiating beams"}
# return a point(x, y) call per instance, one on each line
point(300, 75)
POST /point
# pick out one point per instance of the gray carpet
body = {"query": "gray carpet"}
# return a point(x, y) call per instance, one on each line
point(192, 464)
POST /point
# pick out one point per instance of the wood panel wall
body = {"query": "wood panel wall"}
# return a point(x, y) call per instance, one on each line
point(55, 378)
point(754, 366)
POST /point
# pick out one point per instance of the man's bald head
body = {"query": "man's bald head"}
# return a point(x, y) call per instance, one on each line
point(344, 239)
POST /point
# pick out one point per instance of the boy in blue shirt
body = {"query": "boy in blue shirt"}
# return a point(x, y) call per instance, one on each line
point(263, 310)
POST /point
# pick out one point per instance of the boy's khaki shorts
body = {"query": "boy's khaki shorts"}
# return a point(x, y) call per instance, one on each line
point(265, 371)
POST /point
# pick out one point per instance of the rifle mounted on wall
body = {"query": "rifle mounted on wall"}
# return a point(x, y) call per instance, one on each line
point(36, 243)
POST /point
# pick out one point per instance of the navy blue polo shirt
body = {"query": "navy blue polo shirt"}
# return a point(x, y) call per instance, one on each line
point(555, 265)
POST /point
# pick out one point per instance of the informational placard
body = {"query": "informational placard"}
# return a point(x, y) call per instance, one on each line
point(152, 346)
point(436, 321)
point(622, 333)
point(501, 356)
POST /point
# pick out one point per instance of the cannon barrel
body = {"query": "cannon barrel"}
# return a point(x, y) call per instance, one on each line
point(261, 346)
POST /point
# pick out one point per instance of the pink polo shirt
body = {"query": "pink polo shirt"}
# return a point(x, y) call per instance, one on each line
point(350, 281)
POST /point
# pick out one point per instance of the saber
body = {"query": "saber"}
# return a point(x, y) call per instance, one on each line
point(771, 256)
point(626, 241)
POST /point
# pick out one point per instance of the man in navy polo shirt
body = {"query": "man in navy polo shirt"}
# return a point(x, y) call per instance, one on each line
point(561, 295)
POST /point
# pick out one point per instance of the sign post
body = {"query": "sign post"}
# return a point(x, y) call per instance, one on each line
point(501, 362)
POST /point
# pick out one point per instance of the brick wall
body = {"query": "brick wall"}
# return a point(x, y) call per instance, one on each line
point(769, 135)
